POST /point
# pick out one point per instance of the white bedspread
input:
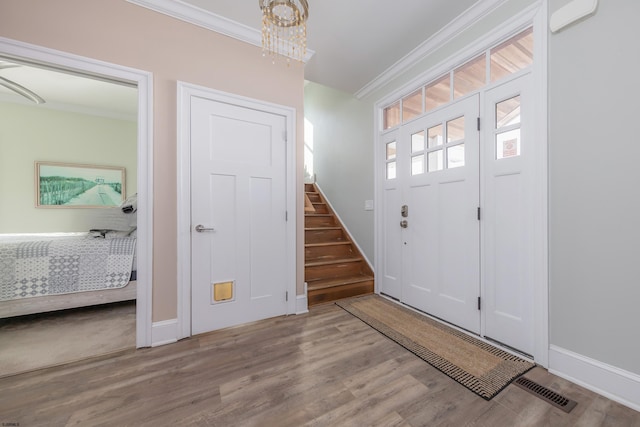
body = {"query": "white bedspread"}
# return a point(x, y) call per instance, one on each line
point(37, 265)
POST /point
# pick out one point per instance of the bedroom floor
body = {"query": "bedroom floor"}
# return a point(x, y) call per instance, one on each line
point(44, 340)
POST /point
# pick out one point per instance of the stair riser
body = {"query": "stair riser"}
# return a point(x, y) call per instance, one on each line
point(332, 270)
point(319, 221)
point(314, 197)
point(309, 187)
point(338, 292)
point(324, 236)
point(320, 208)
point(327, 253)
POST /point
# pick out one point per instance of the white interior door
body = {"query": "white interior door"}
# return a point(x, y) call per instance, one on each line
point(508, 219)
point(238, 181)
point(439, 175)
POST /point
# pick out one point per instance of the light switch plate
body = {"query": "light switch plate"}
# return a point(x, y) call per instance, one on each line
point(368, 205)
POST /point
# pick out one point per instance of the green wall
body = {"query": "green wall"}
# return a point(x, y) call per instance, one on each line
point(34, 133)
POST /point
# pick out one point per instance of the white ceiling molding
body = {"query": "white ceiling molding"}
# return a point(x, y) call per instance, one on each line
point(205, 19)
point(469, 17)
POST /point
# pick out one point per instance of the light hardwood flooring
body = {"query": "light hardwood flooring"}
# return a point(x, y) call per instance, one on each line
point(325, 368)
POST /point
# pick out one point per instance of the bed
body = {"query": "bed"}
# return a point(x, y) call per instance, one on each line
point(56, 271)
point(42, 272)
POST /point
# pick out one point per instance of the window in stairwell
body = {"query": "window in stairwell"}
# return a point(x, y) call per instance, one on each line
point(308, 151)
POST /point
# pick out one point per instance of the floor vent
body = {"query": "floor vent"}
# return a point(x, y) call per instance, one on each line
point(545, 394)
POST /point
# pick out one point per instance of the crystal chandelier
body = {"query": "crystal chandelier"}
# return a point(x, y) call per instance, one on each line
point(284, 28)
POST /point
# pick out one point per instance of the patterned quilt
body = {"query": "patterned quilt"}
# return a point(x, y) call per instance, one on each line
point(64, 265)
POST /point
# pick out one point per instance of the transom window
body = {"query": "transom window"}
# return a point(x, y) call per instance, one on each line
point(501, 61)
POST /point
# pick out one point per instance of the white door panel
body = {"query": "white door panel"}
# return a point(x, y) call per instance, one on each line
point(508, 217)
point(440, 246)
point(238, 166)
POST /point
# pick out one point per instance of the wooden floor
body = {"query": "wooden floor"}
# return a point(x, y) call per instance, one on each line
point(323, 368)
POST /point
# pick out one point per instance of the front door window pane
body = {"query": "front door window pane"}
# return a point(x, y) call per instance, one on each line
point(470, 77)
point(508, 112)
point(391, 170)
point(455, 129)
point(455, 156)
point(391, 150)
point(436, 161)
point(434, 135)
point(508, 144)
point(417, 164)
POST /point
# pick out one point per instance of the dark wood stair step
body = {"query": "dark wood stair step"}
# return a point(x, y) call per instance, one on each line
point(315, 285)
point(333, 261)
point(316, 245)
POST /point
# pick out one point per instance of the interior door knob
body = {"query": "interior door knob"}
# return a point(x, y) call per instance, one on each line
point(404, 223)
point(201, 228)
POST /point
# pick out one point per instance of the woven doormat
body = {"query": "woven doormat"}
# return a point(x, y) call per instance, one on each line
point(481, 367)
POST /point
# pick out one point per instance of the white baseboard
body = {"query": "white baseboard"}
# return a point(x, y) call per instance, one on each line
point(614, 383)
point(301, 302)
point(164, 332)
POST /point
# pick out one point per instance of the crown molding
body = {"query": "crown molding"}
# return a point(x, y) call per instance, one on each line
point(463, 21)
point(203, 18)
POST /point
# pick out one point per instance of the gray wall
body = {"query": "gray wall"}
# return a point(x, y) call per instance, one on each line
point(343, 156)
point(594, 214)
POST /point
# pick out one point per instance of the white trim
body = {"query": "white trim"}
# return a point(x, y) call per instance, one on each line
point(613, 383)
point(144, 82)
point(203, 18)
point(447, 33)
point(301, 302)
point(516, 24)
point(164, 332)
point(69, 108)
point(185, 92)
point(536, 15)
point(345, 228)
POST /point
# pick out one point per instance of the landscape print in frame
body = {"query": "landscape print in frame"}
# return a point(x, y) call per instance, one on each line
point(68, 185)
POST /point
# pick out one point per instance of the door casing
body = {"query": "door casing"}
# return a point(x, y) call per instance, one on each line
point(537, 16)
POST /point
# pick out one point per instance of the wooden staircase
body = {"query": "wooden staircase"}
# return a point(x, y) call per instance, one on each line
point(334, 267)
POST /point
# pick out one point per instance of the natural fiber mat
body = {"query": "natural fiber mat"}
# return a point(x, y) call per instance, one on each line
point(482, 368)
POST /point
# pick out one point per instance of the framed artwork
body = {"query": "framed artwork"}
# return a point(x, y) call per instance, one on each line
point(68, 185)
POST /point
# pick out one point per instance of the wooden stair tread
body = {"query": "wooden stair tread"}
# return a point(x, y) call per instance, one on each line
point(330, 283)
point(318, 214)
point(322, 228)
point(333, 261)
point(319, 245)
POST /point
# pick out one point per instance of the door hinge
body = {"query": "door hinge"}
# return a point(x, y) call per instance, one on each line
point(478, 213)
point(286, 296)
point(479, 305)
point(478, 123)
point(286, 215)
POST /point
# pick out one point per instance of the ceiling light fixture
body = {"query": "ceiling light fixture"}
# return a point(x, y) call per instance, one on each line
point(284, 28)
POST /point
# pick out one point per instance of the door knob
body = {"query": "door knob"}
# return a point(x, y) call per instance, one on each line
point(201, 228)
point(404, 223)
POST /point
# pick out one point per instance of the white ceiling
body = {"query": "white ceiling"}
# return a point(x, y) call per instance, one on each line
point(355, 40)
point(70, 92)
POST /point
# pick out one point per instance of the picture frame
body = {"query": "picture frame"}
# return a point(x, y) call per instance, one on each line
point(71, 185)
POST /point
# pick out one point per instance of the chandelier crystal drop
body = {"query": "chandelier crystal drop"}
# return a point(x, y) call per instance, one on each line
point(284, 28)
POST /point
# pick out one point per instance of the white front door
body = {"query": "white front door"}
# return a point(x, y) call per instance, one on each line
point(508, 219)
point(438, 167)
point(238, 215)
